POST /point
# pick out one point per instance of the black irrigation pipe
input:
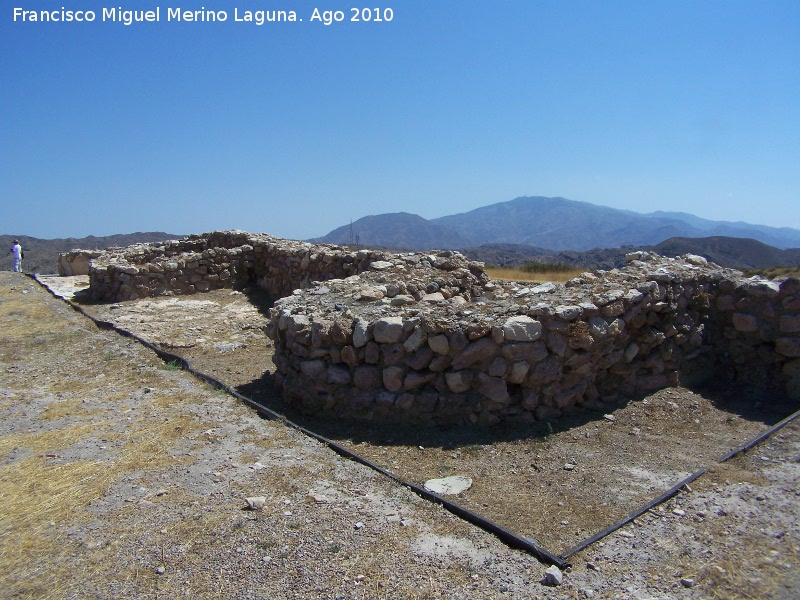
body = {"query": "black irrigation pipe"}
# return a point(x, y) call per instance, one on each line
point(510, 538)
point(638, 512)
point(760, 437)
point(677, 487)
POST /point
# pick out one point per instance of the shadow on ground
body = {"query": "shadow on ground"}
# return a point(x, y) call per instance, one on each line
point(747, 405)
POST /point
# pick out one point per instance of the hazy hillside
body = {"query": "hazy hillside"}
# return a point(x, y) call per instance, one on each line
point(41, 255)
point(402, 231)
point(561, 224)
point(780, 237)
point(738, 253)
point(555, 223)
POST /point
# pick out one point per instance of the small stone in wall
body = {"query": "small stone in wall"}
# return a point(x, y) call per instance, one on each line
point(403, 300)
point(439, 344)
point(388, 330)
point(544, 288)
point(435, 297)
point(380, 265)
point(371, 293)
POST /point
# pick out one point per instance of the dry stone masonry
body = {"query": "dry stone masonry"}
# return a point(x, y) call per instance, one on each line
point(217, 260)
point(429, 338)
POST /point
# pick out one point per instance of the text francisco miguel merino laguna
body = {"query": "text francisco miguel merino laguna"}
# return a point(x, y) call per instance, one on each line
point(129, 17)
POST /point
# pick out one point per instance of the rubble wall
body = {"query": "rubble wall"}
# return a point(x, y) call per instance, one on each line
point(76, 262)
point(428, 338)
point(217, 260)
point(524, 353)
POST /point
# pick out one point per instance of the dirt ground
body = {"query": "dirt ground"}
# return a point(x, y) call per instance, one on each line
point(733, 533)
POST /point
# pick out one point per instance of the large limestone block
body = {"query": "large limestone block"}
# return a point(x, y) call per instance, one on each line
point(439, 344)
point(480, 350)
point(522, 329)
point(493, 388)
point(388, 330)
point(458, 381)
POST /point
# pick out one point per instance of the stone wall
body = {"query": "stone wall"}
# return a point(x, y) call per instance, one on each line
point(76, 262)
point(536, 352)
point(223, 259)
point(428, 338)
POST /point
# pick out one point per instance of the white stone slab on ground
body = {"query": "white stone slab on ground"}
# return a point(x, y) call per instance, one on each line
point(449, 485)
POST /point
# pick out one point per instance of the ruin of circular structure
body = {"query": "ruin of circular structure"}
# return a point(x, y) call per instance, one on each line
point(429, 338)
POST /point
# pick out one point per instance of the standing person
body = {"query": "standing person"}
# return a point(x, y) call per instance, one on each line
point(16, 253)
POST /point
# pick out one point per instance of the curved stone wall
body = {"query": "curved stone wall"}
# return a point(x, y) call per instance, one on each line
point(524, 353)
point(223, 259)
point(428, 338)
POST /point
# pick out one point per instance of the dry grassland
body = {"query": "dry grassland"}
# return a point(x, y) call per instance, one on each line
point(508, 274)
point(123, 478)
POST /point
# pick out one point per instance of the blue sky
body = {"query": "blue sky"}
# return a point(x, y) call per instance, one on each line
point(296, 128)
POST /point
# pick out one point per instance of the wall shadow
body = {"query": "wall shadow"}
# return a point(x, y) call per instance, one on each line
point(740, 403)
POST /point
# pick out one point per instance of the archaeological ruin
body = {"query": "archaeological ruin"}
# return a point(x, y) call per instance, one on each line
point(429, 338)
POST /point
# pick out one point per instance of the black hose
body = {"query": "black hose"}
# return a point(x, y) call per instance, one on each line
point(639, 511)
point(677, 487)
point(508, 537)
point(760, 437)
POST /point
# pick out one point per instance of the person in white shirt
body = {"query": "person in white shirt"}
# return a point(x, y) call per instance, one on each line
point(16, 253)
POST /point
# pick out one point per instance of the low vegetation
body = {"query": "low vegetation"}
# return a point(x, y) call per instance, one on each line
point(773, 272)
point(535, 271)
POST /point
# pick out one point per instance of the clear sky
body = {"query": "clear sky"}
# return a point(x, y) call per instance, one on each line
point(296, 128)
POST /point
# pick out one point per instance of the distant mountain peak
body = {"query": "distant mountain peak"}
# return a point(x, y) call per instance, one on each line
point(547, 222)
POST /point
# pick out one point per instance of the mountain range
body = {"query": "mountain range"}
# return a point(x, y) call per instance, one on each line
point(739, 253)
point(553, 230)
point(556, 224)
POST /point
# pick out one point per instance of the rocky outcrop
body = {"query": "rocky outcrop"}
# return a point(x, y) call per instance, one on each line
point(428, 338)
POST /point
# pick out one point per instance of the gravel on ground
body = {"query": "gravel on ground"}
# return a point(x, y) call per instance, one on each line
point(123, 477)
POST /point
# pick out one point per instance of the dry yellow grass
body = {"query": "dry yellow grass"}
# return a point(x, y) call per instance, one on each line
point(42, 493)
point(47, 442)
point(505, 274)
point(38, 492)
point(66, 408)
